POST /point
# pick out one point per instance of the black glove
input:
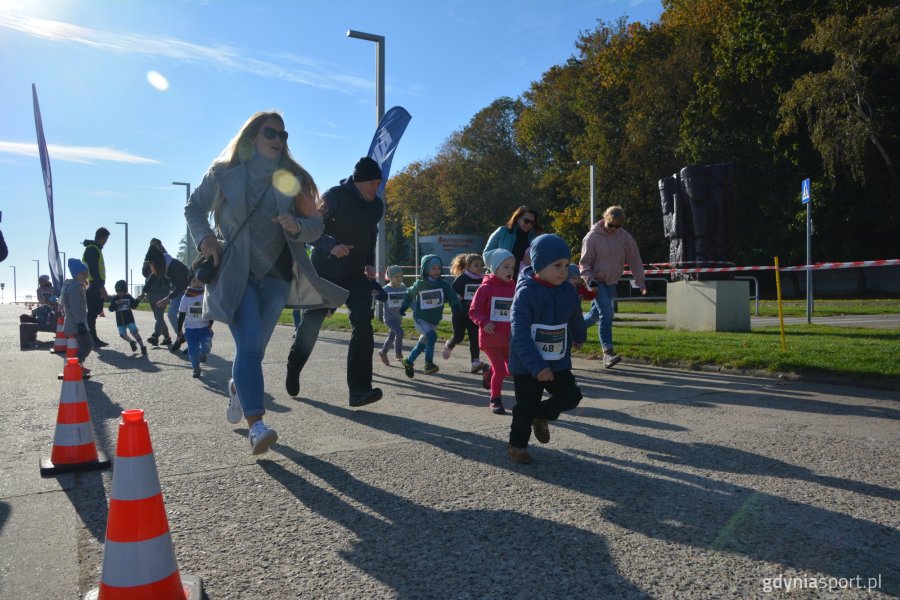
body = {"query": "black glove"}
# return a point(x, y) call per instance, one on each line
point(82, 329)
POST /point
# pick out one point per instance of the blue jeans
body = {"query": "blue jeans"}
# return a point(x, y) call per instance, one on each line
point(603, 304)
point(173, 311)
point(251, 327)
point(298, 317)
point(195, 338)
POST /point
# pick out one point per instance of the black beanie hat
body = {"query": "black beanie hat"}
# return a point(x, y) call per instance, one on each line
point(366, 169)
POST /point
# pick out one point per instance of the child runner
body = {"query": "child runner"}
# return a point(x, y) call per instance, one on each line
point(396, 291)
point(546, 323)
point(156, 287)
point(195, 329)
point(490, 309)
point(73, 302)
point(427, 297)
point(469, 271)
point(121, 304)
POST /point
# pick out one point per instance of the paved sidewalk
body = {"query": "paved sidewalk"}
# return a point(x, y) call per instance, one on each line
point(663, 483)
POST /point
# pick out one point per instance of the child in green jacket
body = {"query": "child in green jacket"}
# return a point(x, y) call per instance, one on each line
point(427, 297)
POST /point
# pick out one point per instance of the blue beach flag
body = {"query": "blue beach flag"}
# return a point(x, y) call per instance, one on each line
point(387, 138)
point(56, 271)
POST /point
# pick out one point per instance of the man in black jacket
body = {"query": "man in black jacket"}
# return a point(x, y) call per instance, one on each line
point(96, 290)
point(345, 255)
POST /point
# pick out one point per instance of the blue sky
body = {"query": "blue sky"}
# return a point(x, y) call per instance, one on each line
point(118, 135)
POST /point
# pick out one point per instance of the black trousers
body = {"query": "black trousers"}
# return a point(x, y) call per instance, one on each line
point(564, 395)
point(94, 308)
point(362, 340)
point(462, 325)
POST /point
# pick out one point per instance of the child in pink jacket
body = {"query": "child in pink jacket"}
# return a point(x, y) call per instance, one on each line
point(491, 311)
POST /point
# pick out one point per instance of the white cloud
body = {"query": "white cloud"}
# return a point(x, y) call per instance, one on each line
point(77, 154)
point(227, 58)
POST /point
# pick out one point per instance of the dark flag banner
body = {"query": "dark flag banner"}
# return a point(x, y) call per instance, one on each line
point(57, 275)
point(387, 138)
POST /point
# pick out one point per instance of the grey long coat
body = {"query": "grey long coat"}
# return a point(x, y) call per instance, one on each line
point(224, 293)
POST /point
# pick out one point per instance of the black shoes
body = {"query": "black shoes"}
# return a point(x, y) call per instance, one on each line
point(366, 397)
point(292, 380)
point(100, 343)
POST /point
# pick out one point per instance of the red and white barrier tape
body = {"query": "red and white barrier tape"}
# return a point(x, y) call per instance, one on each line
point(813, 267)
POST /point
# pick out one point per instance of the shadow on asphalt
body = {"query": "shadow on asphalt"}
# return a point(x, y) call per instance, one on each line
point(672, 505)
point(421, 552)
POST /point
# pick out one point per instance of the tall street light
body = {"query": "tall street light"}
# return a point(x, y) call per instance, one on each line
point(34, 260)
point(126, 250)
point(593, 186)
point(188, 244)
point(14, 283)
point(380, 246)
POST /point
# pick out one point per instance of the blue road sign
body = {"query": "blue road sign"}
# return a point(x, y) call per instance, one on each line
point(804, 191)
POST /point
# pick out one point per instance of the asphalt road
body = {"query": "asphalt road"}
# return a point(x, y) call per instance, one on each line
point(663, 483)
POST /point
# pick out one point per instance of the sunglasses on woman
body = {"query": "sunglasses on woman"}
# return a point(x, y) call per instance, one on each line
point(527, 221)
point(271, 134)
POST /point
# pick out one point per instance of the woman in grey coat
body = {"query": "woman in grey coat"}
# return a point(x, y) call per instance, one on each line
point(264, 208)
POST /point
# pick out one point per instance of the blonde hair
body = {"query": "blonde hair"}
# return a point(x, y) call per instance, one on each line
point(461, 262)
point(616, 212)
point(241, 149)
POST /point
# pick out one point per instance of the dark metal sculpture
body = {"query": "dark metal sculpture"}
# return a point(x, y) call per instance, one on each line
point(698, 218)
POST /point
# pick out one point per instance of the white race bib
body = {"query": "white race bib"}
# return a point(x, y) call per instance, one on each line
point(470, 290)
point(550, 340)
point(195, 312)
point(431, 299)
point(395, 299)
point(501, 309)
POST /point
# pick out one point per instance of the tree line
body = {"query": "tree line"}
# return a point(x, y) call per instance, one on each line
point(785, 90)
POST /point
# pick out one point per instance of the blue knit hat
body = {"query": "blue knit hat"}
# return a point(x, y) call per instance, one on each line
point(546, 249)
point(393, 270)
point(76, 267)
point(494, 258)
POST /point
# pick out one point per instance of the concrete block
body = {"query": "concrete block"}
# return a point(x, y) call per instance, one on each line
point(708, 305)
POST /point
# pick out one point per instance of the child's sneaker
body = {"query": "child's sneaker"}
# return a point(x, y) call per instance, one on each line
point(398, 356)
point(197, 373)
point(477, 366)
point(610, 360)
point(519, 456)
point(445, 353)
point(144, 350)
point(153, 340)
point(133, 345)
point(234, 412)
point(497, 406)
point(541, 430)
point(261, 438)
point(486, 377)
point(384, 359)
point(431, 368)
point(408, 367)
point(167, 341)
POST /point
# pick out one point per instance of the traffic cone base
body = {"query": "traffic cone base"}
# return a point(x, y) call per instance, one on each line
point(191, 587)
point(74, 448)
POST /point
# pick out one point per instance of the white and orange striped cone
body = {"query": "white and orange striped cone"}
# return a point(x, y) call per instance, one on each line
point(74, 448)
point(72, 352)
point(138, 557)
point(59, 343)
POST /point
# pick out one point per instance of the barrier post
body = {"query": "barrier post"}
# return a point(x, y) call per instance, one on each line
point(780, 311)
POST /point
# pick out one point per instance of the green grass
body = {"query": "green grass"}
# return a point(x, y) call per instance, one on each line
point(854, 355)
point(792, 308)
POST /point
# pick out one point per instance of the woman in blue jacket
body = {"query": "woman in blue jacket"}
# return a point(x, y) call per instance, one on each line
point(518, 233)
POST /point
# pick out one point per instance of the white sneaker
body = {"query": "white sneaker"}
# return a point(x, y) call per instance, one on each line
point(234, 412)
point(611, 360)
point(477, 366)
point(445, 353)
point(261, 438)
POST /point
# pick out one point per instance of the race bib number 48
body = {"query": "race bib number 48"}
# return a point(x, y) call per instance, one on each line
point(550, 340)
point(431, 299)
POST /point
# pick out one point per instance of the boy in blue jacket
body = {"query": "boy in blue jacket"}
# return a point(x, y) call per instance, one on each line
point(546, 323)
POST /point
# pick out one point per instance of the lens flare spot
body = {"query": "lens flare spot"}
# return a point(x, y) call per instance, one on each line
point(286, 182)
point(156, 79)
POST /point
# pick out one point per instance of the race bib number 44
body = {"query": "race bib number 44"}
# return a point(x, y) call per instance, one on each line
point(431, 299)
point(550, 340)
point(501, 309)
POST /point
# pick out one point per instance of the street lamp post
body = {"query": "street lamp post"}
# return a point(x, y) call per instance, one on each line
point(126, 250)
point(15, 294)
point(188, 244)
point(36, 261)
point(380, 245)
point(593, 186)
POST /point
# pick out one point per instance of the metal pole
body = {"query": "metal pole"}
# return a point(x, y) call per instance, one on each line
point(416, 266)
point(593, 188)
point(126, 251)
point(188, 243)
point(380, 245)
point(15, 293)
point(38, 268)
point(809, 291)
point(593, 197)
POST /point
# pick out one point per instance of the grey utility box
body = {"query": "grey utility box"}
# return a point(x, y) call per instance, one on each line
point(708, 305)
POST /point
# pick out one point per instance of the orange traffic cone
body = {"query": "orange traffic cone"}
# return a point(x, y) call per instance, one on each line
point(59, 343)
point(138, 557)
point(72, 352)
point(74, 448)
